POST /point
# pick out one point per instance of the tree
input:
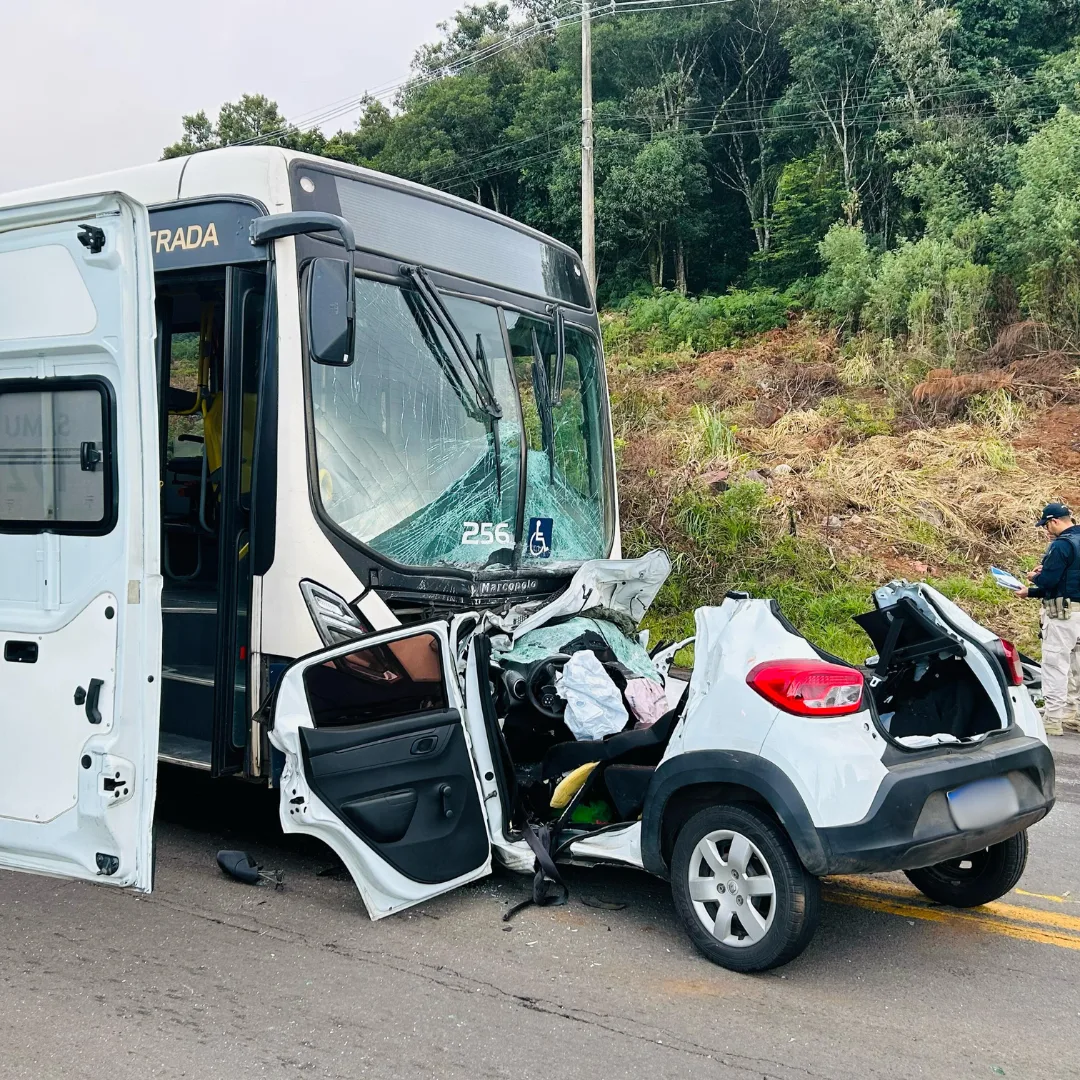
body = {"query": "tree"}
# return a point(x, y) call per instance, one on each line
point(915, 38)
point(730, 139)
point(838, 81)
point(472, 27)
point(658, 195)
point(809, 198)
point(254, 118)
point(753, 67)
point(1040, 221)
point(199, 134)
point(364, 144)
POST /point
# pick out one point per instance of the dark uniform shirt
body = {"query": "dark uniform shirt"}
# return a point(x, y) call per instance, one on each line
point(1060, 567)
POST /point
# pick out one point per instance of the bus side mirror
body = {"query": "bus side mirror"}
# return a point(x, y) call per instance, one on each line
point(331, 318)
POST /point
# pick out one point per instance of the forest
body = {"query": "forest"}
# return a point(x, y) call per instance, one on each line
point(899, 163)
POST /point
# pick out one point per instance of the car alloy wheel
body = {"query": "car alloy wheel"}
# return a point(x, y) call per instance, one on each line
point(732, 888)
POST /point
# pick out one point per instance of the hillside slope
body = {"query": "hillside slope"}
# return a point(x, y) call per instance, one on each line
point(795, 468)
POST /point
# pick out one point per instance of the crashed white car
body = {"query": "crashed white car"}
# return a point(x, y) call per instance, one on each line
point(550, 734)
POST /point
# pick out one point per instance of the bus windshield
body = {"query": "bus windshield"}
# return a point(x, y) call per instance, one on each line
point(411, 466)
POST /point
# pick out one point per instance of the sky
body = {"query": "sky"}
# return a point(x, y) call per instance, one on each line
point(87, 86)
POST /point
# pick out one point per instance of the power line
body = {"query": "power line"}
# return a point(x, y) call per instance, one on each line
point(788, 122)
point(324, 114)
point(709, 131)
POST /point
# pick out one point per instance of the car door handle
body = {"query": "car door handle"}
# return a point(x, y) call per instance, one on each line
point(424, 745)
point(89, 698)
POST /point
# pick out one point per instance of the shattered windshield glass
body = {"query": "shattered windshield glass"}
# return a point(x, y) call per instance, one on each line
point(406, 460)
point(565, 494)
point(409, 464)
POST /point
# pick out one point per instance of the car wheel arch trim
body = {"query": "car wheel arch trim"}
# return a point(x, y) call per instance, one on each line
point(739, 768)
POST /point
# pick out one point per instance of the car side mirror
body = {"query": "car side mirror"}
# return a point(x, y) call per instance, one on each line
point(331, 320)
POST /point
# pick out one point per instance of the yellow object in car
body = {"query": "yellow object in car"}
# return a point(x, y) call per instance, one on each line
point(570, 785)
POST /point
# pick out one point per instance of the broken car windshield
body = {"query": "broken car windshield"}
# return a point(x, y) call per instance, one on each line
point(408, 464)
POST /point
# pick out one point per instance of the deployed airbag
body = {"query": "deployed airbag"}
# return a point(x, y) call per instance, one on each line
point(594, 704)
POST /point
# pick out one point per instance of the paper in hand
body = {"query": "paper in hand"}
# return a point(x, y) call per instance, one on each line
point(1006, 580)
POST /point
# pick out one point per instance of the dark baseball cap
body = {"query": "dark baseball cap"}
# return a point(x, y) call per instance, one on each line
point(1053, 510)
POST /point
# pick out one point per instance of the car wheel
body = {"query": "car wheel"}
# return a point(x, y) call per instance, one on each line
point(742, 893)
point(977, 878)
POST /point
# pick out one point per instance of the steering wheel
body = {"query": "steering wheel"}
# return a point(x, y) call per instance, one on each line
point(540, 686)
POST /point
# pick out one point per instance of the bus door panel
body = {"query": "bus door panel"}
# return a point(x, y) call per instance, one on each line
point(80, 587)
point(378, 765)
point(244, 334)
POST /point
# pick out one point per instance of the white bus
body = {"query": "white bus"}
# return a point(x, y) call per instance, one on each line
point(207, 439)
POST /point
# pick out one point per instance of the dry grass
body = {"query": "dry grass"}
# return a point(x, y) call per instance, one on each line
point(960, 488)
point(945, 393)
point(724, 456)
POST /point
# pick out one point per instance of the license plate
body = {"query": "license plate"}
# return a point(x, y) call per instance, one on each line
point(983, 802)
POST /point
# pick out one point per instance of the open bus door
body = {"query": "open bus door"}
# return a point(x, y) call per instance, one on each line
point(80, 590)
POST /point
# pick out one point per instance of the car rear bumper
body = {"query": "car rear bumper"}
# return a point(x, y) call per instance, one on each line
point(910, 824)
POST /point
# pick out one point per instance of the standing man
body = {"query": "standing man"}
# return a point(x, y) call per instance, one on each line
point(1057, 583)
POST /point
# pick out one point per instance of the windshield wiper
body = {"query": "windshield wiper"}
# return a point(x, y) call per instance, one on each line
point(451, 369)
point(475, 365)
point(476, 368)
point(496, 448)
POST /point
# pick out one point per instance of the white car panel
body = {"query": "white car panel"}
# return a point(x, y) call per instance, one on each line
point(1027, 716)
point(383, 889)
point(722, 711)
point(834, 763)
point(615, 845)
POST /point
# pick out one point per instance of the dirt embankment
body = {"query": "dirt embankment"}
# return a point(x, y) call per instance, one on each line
point(880, 462)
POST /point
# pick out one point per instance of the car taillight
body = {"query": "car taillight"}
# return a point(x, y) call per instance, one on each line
point(808, 687)
point(1014, 670)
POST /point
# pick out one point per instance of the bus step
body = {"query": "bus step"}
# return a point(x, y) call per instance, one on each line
point(184, 750)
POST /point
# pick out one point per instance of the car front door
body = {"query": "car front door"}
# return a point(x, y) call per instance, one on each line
point(378, 765)
point(80, 589)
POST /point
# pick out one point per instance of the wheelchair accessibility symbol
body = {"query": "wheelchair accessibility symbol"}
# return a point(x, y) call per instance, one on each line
point(540, 538)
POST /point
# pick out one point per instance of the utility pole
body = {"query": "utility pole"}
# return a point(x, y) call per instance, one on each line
point(588, 218)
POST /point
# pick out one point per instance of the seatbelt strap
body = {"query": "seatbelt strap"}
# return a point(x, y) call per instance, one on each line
point(548, 889)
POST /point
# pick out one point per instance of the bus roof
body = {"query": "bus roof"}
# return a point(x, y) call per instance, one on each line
point(257, 172)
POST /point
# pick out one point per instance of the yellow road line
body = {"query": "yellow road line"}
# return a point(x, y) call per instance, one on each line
point(862, 885)
point(1047, 896)
point(954, 917)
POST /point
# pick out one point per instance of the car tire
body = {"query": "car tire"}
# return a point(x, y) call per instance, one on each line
point(743, 895)
point(975, 879)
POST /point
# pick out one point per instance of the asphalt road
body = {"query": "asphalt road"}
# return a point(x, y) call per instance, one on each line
point(210, 978)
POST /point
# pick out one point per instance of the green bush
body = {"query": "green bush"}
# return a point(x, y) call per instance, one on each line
point(669, 320)
point(843, 287)
point(1039, 236)
point(926, 288)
